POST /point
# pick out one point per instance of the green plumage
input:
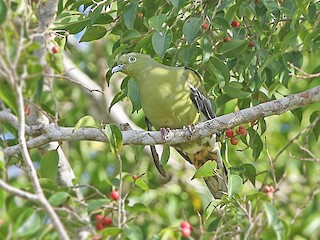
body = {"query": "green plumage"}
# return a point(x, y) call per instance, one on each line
point(173, 97)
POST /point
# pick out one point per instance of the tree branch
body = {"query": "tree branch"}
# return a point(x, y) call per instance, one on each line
point(53, 132)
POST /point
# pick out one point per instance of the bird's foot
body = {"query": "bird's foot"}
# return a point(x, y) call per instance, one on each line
point(125, 127)
point(191, 128)
point(165, 133)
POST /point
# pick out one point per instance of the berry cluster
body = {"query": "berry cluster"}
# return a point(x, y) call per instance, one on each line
point(239, 131)
point(102, 222)
point(185, 229)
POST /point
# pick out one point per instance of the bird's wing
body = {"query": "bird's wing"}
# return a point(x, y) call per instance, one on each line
point(197, 93)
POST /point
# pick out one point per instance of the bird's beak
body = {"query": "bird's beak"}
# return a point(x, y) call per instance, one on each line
point(118, 68)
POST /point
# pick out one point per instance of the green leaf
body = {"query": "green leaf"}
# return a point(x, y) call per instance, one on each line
point(133, 95)
point(133, 232)
point(114, 136)
point(118, 97)
point(86, 121)
point(2, 163)
point(214, 224)
point(234, 184)
point(27, 224)
point(141, 184)
point(187, 54)
point(130, 35)
point(220, 70)
point(95, 14)
point(192, 28)
point(234, 48)
point(58, 198)
point(165, 154)
point(255, 143)
point(250, 172)
point(56, 61)
point(3, 11)
point(96, 204)
point(111, 231)
point(206, 170)
point(49, 165)
point(161, 42)
point(71, 21)
point(271, 213)
point(93, 33)
point(157, 21)
point(177, 3)
point(233, 89)
point(130, 14)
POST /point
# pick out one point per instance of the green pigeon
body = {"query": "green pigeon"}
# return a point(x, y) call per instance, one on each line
point(171, 98)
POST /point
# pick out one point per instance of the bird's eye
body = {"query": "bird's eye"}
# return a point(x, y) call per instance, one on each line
point(132, 59)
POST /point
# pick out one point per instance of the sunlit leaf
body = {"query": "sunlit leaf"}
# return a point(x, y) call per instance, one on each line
point(235, 182)
point(49, 165)
point(206, 170)
point(86, 121)
point(58, 198)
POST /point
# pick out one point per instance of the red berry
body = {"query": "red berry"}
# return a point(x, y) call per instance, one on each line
point(185, 224)
point(243, 132)
point(140, 14)
point(235, 23)
point(185, 232)
point(55, 49)
point(134, 177)
point(241, 127)
point(99, 226)
point(234, 141)
point(227, 39)
point(114, 195)
point(229, 133)
point(99, 217)
point(251, 44)
point(238, 131)
point(205, 26)
point(106, 221)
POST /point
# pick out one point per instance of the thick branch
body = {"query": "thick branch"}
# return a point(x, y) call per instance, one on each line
point(132, 137)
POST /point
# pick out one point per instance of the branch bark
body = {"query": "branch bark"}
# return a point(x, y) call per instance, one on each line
point(53, 132)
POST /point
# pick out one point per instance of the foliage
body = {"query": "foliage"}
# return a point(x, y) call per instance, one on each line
point(275, 43)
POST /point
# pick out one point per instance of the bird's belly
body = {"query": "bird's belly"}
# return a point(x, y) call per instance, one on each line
point(172, 111)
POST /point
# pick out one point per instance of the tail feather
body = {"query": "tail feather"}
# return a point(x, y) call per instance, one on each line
point(197, 153)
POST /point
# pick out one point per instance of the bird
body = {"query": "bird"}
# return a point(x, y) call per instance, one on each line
point(173, 97)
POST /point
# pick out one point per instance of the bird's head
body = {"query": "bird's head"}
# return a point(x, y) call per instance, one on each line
point(132, 63)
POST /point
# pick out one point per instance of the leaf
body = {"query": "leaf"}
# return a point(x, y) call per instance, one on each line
point(141, 184)
point(177, 3)
point(49, 165)
point(250, 172)
point(234, 48)
point(28, 223)
point(233, 89)
point(130, 35)
point(214, 224)
point(86, 121)
point(130, 14)
point(157, 21)
point(114, 136)
point(58, 198)
point(271, 213)
point(2, 163)
point(111, 231)
point(165, 154)
point(96, 204)
point(133, 232)
point(234, 184)
point(255, 143)
point(161, 42)
point(56, 61)
point(187, 54)
point(133, 95)
point(206, 170)
point(93, 33)
point(3, 11)
point(95, 14)
point(192, 28)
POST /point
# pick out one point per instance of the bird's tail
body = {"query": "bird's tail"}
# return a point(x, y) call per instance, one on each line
point(197, 153)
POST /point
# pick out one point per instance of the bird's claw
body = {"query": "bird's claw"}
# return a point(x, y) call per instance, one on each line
point(165, 133)
point(125, 127)
point(191, 128)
